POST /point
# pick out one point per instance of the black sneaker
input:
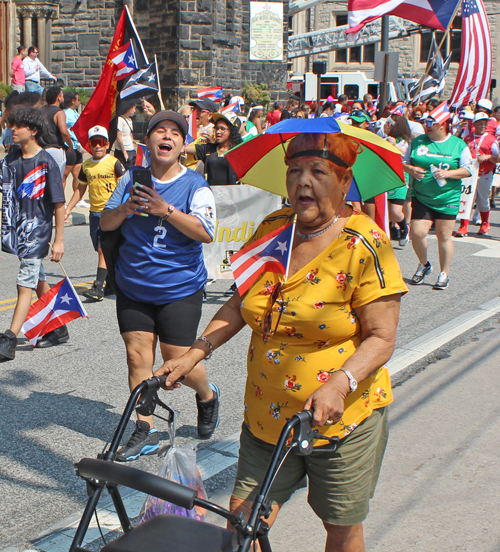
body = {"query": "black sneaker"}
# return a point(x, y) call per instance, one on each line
point(96, 292)
point(395, 233)
point(8, 342)
point(231, 290)
point(421, 273)
point(404, 236)
point(208, 413)
point(53, 338)
point(142, 441)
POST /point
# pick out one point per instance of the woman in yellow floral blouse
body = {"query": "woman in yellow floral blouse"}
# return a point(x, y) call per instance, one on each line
point(330, 328)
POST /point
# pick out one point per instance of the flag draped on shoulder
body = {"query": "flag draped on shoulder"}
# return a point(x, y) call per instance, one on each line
point(102, 106)
point(142, 84)
point(433, 82)
point(57, 307)
point(214, 93)
point(474, 72)
point(436, 14)
point(268, 254)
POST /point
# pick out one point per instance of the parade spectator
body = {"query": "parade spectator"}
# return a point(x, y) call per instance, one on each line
point(74, 158)
point(100, 174)
point(124, 145)
point(274, 116)
point(357, 106)
point(57, 138)
point(486, 106)
point(433, 103)
point(10, 103)
point(325, 332)
point(437, 161)
point(399, 135)
point(254, 122)
point(291, 104)
point(28, 211)
point(342, 104)
point(314, 110)
point(484, 147)
point(360, 118)
point(160, 272)
point(219, 171)
point(33, 70)
point(205, 108)
point(369, 104)
point(327, 110)
point(16, 72)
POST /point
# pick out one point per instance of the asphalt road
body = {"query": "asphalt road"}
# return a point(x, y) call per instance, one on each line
point(62, 403)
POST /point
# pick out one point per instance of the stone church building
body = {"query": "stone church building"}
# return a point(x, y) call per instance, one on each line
point(199, 43)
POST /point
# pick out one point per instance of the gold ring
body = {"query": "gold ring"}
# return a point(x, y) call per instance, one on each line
point(329, 422)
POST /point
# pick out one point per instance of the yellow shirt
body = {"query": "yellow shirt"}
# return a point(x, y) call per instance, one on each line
point(318, 330)
point(102, 177)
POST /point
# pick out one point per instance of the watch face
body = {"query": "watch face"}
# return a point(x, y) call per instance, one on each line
point(354, 385)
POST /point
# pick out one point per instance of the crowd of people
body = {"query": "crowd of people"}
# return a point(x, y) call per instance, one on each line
point(337, 311)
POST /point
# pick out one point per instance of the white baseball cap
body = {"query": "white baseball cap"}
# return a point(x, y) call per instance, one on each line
point(480, 117)
point(485, 104)
point(98, 131)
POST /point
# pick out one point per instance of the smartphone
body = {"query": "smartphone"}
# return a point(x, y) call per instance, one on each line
point(142, 176)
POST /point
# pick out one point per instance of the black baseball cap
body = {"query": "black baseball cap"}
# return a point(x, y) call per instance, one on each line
point(204, 103)
point(169, 115)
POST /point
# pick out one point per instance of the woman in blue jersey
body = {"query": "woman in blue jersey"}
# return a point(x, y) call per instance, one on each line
point(160, 271)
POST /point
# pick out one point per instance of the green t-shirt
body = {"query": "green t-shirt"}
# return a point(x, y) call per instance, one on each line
point(443, 155)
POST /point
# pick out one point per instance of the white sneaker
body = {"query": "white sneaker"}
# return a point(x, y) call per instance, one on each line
point(442, 281)
point(83, 204)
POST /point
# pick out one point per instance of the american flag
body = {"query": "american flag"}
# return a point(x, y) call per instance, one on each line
point(436, 14)
point(441, 113)
point(213, 93)
point(269, 254)
point(474, 74)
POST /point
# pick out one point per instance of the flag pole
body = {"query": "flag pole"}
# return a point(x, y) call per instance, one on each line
point(429, 64)
point(162, 105)
point(291, 247)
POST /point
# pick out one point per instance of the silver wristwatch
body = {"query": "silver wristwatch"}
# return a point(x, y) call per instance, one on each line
point(353, 384)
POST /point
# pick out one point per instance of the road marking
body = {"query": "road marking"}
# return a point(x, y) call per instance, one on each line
point(492, 246)
point(224, 454)
point(87, 285)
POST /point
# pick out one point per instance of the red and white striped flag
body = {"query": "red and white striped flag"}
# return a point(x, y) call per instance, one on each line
point(54, 309)
point(441, 113)
point(213, 93)
point(436, 14)
point(269, 254)
point(474, 73)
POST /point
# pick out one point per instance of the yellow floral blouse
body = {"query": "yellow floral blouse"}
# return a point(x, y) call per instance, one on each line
point(318, 329)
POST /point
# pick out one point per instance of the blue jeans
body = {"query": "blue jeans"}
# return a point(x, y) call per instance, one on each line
point(32, 86)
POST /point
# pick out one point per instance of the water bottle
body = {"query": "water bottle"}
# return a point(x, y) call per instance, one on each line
point(441, 181)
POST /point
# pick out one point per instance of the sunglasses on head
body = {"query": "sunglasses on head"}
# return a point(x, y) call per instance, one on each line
point(268, 317)
point(98, 142)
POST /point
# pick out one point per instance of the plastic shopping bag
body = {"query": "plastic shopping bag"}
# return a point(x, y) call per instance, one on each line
point(179, 465)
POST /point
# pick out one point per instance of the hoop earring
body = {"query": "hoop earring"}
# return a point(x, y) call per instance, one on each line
point(344, 195)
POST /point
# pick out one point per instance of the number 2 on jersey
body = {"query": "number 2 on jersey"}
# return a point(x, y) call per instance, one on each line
point(162, 232)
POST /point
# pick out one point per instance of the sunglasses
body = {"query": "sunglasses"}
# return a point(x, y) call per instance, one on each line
point(98, 142)
point(268, 318)
point(430, 123)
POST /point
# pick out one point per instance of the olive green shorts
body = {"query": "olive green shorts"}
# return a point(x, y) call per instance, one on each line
point(341, 483)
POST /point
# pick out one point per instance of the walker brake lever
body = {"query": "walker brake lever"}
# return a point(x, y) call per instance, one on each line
point(333, 442)
point(149, 399)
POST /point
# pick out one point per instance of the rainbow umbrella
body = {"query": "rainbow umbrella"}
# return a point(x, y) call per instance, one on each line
point(260, 161)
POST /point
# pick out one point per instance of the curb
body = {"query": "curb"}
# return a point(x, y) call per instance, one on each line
point(214, 459)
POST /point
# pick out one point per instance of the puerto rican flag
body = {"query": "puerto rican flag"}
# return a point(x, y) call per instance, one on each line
point(441, 113)
point(231, 108)
point(143, 157)
point(213, 93)
point(125, 61)
point(269, 254)
point(57, 307)
point(192, 129)
point(33, 185)
point(436, 14)
point(399, 110)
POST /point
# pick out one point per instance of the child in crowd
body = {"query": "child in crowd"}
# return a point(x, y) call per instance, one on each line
point(32, 193)
point(101, 174)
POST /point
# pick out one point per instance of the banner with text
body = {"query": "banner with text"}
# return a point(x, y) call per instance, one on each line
point(468, 193)
point(266, 31)
point(240, 210)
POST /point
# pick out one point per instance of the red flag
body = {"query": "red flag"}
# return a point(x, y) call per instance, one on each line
point(474, 73)
point(57, 307)
point(269, 254)
point(101, 108)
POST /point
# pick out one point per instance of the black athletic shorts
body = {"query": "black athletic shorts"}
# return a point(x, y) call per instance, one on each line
point(419, 211)
point(174, 323)
point(73, 157)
